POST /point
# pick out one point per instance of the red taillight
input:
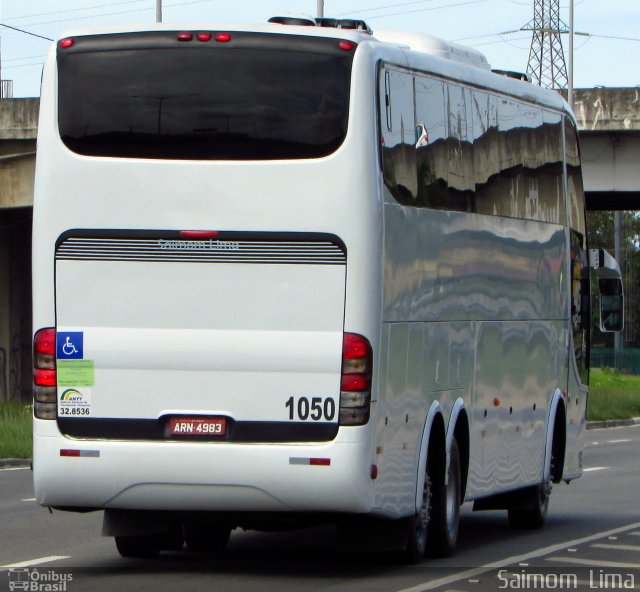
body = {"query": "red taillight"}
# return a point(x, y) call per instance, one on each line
point(354, 346)
point(185, 36)
point(45, 378)
point(204, 36)
point(44, 349)
point(199, 233)
point(346, 45)
point(223, 37)
point(355, 381)
point(66, 42)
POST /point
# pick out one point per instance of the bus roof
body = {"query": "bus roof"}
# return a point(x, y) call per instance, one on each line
point(408, 49)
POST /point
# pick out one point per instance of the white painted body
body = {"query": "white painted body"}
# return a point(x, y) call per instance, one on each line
point(239, 340)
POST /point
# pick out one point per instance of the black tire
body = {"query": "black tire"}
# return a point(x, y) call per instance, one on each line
point(173, 539)
point(417, 527)
point(145, 546)
point(206, 537)
point(445, 515)
point(532, 513)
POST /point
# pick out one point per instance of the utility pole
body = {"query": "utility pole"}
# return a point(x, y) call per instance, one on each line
point(546, 65)
point(618, 344)
point(158, 11)
point(571, 34)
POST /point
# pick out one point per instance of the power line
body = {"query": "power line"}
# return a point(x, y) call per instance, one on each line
point(25, 32)
point(91, 16)
point(103, 5)
point(385, 7)
point(370, 18)
point(22, 65)
point(35, 57)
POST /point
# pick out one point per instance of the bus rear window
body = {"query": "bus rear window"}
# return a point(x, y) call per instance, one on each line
point(257, 97)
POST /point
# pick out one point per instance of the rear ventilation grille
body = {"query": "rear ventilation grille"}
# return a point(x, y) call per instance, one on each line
point(223, 249)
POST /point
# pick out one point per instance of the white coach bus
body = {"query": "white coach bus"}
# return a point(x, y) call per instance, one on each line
point(298, 273)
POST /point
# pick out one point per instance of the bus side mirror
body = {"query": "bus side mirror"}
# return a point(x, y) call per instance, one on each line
point(611, 305)
point(611, 291)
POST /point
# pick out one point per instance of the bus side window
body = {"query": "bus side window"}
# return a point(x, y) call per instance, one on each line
point(398, 136)
point(431, 147)
point(459, 141)
point(580, 288)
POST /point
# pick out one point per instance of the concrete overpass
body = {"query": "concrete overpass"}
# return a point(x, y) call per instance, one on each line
point(609, 123)
point(608, 118)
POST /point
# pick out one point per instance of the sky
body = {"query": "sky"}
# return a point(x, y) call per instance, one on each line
point(606, 56)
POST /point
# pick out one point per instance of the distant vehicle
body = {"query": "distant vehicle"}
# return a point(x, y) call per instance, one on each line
point(262, 300)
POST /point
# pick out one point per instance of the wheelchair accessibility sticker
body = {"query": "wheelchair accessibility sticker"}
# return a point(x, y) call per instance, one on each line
point(70, 345)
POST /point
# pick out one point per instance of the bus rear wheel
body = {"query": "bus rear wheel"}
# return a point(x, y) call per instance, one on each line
point(417, 526)
point(445, 518)
point(205, 536)
point(534, 513)
point(143, 546)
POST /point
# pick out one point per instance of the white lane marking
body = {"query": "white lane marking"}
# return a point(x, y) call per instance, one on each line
point(31, 562)
point(595, 562)
point(619, 441)
point(572, 550)
point(471, 573)
point(28, 499)
point(637, 533)
point(635, 548)
point(592, 469)
point(15, 469)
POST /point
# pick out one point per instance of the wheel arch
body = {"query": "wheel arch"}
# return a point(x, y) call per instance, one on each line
point(459, 428)
point(556, 441)
point(433, 446)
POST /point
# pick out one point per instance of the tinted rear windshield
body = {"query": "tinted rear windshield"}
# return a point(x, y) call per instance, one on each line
point(257, 96)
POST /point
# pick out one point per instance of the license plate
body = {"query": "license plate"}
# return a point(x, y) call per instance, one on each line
point(197, 426)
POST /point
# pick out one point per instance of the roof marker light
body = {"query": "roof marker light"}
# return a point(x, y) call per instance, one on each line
point(66, 42)
point(223, 37)
point(346, 45)
point(204, 36)
point(185, 36)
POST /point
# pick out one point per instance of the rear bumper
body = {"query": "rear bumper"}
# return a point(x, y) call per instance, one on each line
point(196, 476)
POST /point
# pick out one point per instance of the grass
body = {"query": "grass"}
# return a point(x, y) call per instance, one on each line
point(613, 395)
point(15, 430)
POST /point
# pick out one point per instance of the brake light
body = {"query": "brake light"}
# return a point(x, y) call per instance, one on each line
point(223, 37)
point(45, 378)
point(66, 42)
point(199, 233)
point(185, 36)
point(355, 382)
point(346, 45)
point(204, 36)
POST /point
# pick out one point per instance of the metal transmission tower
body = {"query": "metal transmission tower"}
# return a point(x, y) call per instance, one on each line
point(546, 65)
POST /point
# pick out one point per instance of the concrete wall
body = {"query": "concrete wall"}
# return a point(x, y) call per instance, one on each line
point(18, 129)
point(607, 109)
point(15, 304)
